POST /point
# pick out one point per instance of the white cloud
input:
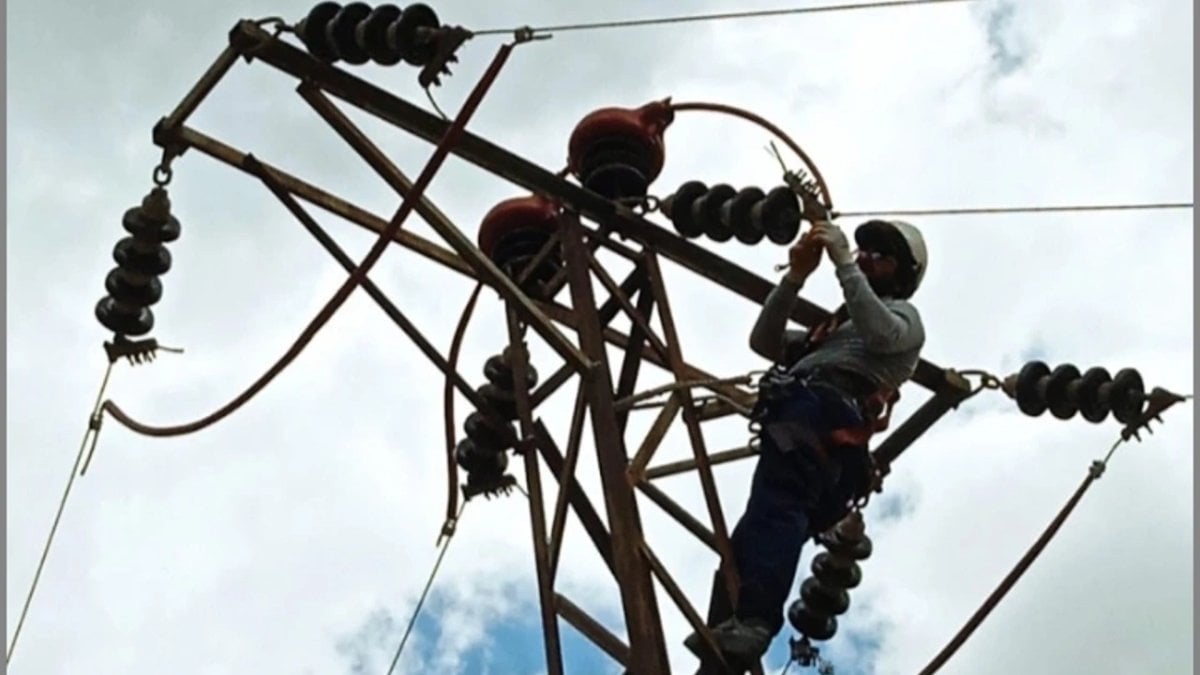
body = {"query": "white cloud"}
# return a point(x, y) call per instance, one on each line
point(259, 544)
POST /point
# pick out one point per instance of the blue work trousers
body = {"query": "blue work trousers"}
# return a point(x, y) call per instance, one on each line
point(795, 494)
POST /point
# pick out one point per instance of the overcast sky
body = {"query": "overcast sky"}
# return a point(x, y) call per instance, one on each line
point(294, 537)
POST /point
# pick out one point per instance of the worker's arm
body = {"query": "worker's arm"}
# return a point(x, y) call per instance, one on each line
point(885, 328)
point(770, 337)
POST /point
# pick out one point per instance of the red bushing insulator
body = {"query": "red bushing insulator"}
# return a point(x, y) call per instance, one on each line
point(513, 232)
point(618, 152)
point(534, 212)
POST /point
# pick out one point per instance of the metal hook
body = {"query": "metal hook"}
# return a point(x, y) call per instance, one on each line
point(986, 380)
point(277, 23)
point(162, 174)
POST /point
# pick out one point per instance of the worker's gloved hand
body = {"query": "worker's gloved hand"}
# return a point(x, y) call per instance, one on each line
point(835, 243)
point(803, 258)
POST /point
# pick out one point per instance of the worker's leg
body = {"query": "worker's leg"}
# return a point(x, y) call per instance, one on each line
point(855, 480)
point(791, 485)
point(768, 538)
point(766, 549)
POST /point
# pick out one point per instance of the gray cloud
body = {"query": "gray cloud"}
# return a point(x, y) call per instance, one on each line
point(1008, 53)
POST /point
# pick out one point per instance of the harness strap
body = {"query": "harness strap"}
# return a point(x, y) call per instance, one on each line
point(878, 413)
point(877, 405)
point(821, 331)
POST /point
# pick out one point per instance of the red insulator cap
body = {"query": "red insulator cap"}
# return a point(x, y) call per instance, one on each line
point(519, 213)
point(644, 126)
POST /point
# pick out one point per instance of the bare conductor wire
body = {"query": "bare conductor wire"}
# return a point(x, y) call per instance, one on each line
point(92, 432)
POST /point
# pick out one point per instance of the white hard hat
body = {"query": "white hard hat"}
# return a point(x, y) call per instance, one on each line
point(889, 234)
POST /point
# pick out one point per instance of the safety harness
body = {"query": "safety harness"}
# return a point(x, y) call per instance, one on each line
point(876, 405)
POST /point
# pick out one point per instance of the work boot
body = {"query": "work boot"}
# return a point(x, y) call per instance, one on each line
point(741, 642)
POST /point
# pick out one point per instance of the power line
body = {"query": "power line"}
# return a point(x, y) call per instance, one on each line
point(1094, 472)
point(412, 621)
point(92, 433)
point(1159, 401)
point(752, 14)
point(1019, 209)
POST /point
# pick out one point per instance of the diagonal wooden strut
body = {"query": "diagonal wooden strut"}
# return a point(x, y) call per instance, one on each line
point(606, 313)
point(369, 286)
point(648, 654)
point(632, 361)
point(654, 437)
point(190, 138)
point(593, 630)
point(699, 450)
point(519, 360)
point(571, 493)
point(480, 263)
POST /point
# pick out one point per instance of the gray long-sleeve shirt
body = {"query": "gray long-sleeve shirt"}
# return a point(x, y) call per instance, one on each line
point(882, 339)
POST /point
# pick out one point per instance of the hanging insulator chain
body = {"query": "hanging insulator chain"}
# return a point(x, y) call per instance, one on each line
point(134, 284)
point(483, 453)
point(825, 595)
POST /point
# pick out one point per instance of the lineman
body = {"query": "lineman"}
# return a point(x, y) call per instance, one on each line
point(828, 391)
